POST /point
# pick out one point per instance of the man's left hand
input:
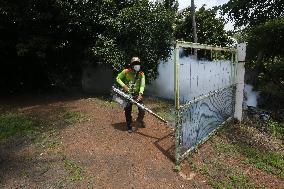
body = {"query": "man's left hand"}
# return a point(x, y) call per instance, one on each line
point(139, 98)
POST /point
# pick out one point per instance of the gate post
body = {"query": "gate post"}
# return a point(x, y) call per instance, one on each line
point(240, 74)
point(177, 106)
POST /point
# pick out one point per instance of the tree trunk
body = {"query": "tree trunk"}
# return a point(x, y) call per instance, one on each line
point(193, 24)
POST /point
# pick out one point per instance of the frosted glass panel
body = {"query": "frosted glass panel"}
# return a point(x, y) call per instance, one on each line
point(199, 77)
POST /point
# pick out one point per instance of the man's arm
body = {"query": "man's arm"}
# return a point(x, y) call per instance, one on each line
point(142, 84)
point(119, 79)
point(142, 87)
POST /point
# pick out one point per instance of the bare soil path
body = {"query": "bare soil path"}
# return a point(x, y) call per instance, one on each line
point(97, 152)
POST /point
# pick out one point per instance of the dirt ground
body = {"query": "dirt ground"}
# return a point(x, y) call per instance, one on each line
point(99, 150)
point(95, 152)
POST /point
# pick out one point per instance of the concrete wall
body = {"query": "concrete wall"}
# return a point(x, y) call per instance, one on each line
point(97, 78)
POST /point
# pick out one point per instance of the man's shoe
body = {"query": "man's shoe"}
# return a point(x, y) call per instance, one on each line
point(130, 130)
point(140, 124)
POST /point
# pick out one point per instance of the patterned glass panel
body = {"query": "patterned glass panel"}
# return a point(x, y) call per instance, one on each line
point(201, 118)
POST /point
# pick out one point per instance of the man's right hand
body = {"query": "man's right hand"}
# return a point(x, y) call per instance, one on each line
point(125, 88)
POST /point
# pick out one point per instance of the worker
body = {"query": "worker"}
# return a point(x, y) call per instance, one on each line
point(132, 80)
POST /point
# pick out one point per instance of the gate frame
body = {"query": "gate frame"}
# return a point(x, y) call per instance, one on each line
point(237, 80)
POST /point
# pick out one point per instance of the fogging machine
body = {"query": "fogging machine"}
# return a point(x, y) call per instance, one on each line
point(122, 98)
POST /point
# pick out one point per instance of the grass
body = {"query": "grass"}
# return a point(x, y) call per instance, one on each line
point(47, 140)
point(263, 159)
point(163, 108)
point(71, 117)
point(106, 101)
point(222, 176)
point(15, 125)
point(234, 180)
point(74, 170)
point(276, 129)
point(267, 161)
point(222, 173)
point(38, 128)
point(225, 147)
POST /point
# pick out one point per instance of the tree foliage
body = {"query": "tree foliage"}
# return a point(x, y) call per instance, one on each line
point(45, 42)
point(146, 30)
point(262, 24)
point(210, 29)
point(266, 39)
point(253, 12)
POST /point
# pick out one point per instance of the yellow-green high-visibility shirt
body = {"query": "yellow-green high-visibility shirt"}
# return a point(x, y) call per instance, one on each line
point(127, 77)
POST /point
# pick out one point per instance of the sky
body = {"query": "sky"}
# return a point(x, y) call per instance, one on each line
point(209, 3)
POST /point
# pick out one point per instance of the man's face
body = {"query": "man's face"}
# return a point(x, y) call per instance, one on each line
point(137, 66)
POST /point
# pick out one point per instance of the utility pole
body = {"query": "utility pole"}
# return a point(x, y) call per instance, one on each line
point(192, 7)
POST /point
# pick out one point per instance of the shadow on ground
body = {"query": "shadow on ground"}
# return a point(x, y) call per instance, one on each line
point(120, 126)
point(164, 144)
point(22, 101)
point(35, 156)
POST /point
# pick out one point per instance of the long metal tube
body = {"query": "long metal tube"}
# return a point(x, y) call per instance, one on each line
point(128, 97)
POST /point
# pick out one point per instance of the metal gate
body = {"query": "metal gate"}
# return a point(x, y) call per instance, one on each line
point(204, 92)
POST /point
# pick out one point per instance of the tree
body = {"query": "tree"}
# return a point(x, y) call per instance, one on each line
point(45, 42)
point(266, 55)
point(210, 29)
point(262, 24)
point(253, 12)
point(266, 40)
point(31, 30)
point(145, 30)
point(171, 4)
